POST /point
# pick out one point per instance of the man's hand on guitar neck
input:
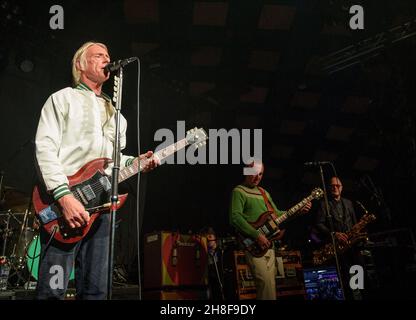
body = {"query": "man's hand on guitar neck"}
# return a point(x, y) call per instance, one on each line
point(263, 242)
point(73, 211)
point(306, 207)
point(150, 162)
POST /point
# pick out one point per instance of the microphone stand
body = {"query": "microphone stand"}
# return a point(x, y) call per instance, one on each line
point(114, 178)
point(331, 226)
point(214, 257)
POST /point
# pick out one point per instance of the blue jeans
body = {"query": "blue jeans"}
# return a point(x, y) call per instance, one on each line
point(90, 257)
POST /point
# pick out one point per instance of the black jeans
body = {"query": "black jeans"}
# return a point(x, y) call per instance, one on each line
point(90, 257)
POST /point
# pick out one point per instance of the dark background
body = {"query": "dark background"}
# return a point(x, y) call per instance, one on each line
point(233, 64)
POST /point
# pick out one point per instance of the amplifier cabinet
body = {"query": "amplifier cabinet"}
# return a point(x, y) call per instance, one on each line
point(174, 259)
point(289, 278)
point(245, 283)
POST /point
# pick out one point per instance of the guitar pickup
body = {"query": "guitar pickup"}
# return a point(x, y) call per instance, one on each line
point(105, 183)
point(88, 192)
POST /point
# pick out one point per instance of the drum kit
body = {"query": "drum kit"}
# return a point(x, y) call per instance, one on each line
point(19, 236)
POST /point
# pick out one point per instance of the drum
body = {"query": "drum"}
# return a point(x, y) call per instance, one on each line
point(33, 256)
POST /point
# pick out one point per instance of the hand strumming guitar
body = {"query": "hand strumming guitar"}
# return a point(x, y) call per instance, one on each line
point(74, 212)
point(263, 241)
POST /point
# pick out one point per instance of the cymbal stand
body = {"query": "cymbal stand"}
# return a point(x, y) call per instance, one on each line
point(22, 230)
point(6, 234)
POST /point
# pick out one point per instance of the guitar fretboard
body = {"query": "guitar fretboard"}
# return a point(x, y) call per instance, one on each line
point(294, 209)
point(162, 154)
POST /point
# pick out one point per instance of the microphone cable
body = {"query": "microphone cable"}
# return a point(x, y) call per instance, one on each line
point(40, 254)
point(138, 184)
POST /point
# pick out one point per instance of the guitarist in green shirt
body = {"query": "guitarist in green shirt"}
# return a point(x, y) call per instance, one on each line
point(248, 203)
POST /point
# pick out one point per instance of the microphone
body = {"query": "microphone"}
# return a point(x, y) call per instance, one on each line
point(114, 66)
point(316, 163)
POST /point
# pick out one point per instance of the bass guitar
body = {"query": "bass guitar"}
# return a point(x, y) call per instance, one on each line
point(268, 224)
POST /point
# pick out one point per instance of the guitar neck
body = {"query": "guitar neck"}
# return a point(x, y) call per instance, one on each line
point(294, 209)
point(137, 166)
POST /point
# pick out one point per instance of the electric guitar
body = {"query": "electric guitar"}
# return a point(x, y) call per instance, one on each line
point(92, 187)
point(268, 224)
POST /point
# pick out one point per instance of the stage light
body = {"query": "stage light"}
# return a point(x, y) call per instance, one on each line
point(27, 65)
point(24, 62)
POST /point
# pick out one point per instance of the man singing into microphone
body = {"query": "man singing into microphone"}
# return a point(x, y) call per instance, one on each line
point(77, 125)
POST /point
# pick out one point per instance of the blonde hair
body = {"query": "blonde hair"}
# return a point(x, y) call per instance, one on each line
point(79, 56)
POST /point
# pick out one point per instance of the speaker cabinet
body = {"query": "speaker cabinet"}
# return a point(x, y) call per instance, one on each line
point(174, 259)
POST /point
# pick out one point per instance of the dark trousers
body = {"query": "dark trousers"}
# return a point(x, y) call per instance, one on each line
point(348, 259)
point(90, 258)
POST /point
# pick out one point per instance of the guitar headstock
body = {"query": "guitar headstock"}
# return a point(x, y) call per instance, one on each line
point(317, 193)
point(196, 136)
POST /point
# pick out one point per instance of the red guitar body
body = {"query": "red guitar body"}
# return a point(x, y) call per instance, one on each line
point(267, 223)
point(91, 186)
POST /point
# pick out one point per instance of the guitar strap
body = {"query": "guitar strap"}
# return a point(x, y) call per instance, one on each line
point(266, 200)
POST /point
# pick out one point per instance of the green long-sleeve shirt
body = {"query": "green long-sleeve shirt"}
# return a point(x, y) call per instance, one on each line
point(247, 204)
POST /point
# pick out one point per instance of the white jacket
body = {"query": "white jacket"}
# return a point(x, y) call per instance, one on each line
point(70, 134)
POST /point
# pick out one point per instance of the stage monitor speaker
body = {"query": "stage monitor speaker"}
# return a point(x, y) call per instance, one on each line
point(172, 259)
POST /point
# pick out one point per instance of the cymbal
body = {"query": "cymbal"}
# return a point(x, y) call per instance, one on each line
point(14, 199)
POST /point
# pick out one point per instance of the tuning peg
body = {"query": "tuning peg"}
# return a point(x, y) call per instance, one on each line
point(116, 79)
